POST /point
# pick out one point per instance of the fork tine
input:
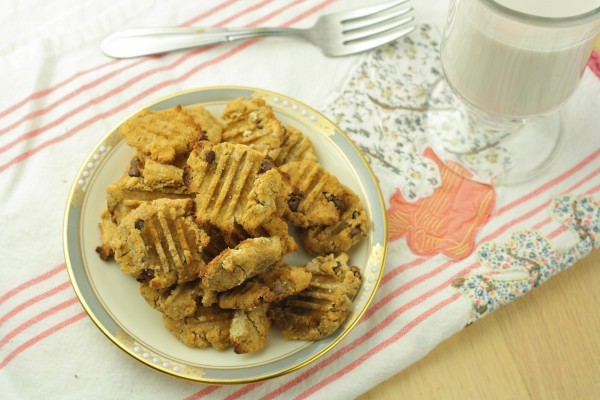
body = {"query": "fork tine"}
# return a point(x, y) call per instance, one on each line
point(346, 16)
point(374, 19)
point(371, 42)
point(376, 30)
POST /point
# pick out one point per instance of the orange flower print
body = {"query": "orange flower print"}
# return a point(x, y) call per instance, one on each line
point(445, 222)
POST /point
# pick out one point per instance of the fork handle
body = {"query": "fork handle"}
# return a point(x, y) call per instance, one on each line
point(146, 41)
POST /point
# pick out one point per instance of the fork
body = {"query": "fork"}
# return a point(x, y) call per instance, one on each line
point(338, 34)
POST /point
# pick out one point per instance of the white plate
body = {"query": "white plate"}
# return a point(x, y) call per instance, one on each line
point(112, 300)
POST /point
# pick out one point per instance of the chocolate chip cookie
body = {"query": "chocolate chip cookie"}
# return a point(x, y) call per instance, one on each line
point(234, 185)
point(161, 135)
point(295, 147)
point(207, 327)
point(319, 310)
point(180, 300)
point(160, 243)
point(275, 284)
point(340, 236)
point(250, 329)
point(253, 123)
point(234, 266)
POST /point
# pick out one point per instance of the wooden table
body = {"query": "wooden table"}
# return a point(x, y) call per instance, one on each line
point(545, 345)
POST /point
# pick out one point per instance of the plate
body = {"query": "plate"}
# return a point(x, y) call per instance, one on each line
point(112, 300)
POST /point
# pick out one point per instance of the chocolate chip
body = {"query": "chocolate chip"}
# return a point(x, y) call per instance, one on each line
point(265, 165)
point(285, 176)
point(294, 200)
point(186, 176)
point(209, 156)
point(169, 290)
point(105, 253)
point(354, 214)
point(145, 276)
point(293, 203)
point(203, 135)
point(134, 168)
point(138, 224)
point(355, 232)
point(338, 203)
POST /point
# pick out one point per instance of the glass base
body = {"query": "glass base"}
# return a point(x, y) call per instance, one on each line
point(496, 152)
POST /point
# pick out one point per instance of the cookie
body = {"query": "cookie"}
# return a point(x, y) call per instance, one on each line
point(322, 308)
point(209, 125)
point(250, 329)
point(108, 231)
point(130, 192)
point(234, 185)
point(161, 135)
point(318, 199)
point(275, 227)
point(178, 301)
point(156, 175)
point(234, 266)
point(340, 236)
point(295, 147)
point(253, 123)
point(160, 243)
point(275, 284)
point(208, 327)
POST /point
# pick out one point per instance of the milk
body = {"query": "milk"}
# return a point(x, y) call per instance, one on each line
point(510, 68)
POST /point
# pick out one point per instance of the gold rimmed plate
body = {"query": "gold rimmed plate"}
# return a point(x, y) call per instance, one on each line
point(112, 300)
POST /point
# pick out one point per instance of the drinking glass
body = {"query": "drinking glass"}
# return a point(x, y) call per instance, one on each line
point(496, 118)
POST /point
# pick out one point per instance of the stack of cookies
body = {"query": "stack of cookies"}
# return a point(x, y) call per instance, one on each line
point(202, 216)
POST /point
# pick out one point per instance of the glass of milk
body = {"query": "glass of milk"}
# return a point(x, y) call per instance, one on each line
point(509, 66)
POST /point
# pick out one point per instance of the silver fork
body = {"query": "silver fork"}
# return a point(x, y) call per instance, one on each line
point(337, 34)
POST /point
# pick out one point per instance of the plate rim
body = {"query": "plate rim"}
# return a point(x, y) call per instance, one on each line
point(180, 374)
